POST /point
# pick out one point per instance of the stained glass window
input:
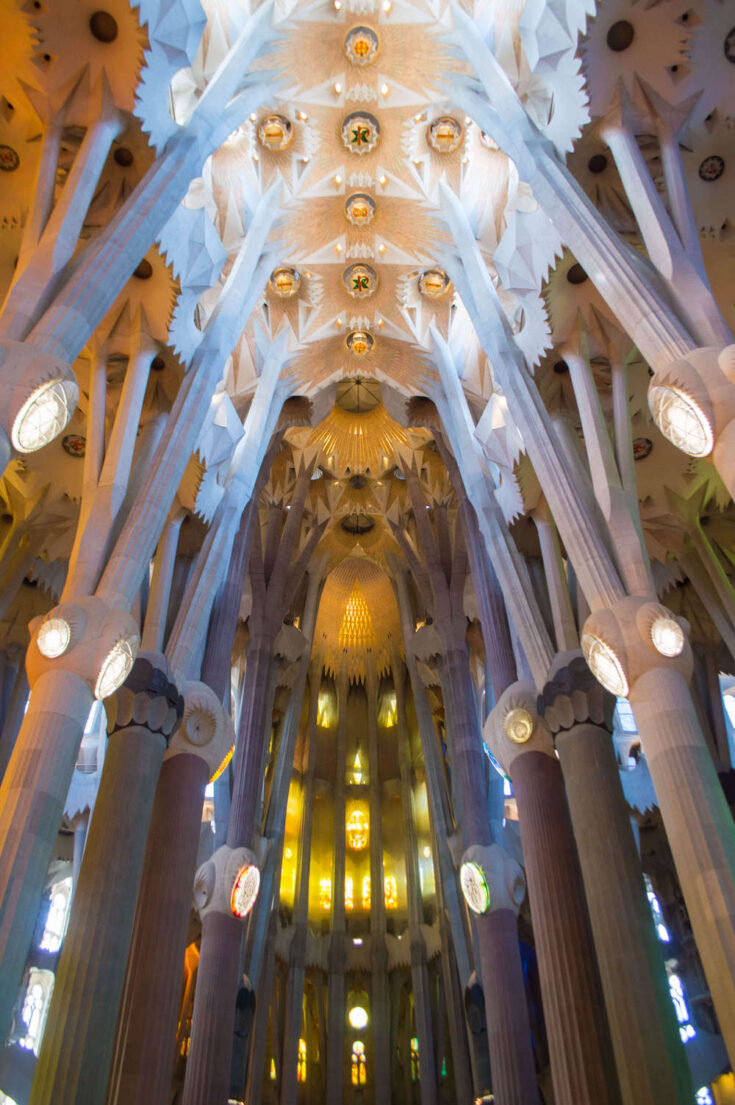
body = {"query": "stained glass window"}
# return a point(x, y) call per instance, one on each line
point(325, 892)
point(358, 1064)
point(301, 1067)
point(357, 830)
point(366, 892)
point(414, 1059)
point(391, 893)
point(349, 898)
point(35, 1008)
point(58, 916)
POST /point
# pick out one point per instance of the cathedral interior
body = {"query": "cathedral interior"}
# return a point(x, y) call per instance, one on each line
point(367, 552)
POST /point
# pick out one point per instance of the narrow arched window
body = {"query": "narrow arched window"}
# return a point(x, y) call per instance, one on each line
point(414, 1059)
point(359, 1065)
point(301, 1067)
point(58, 916)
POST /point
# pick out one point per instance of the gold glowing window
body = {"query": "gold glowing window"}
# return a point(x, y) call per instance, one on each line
point(357, 830)
point(366, 892)
point(325, 892)
point(358, 1064)
point(301, 1066)
point(273, 1070)
point(349, 896)
point(391, 893)
point(357, 775)
point(388, 712)
point(323, 715)
point(414, 1059)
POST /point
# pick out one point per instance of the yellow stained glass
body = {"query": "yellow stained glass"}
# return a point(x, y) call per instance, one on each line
point(357, 830)
point(366, 892)
point(349, 899)
point(391, 893)
point(325, 892)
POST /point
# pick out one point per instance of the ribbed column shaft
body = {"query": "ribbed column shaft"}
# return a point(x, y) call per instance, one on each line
point(336, 961)
point(506, 1011)
point(208, 1064)
point(380, 997)
point(651, 1063)
point(698, 824)
point(581, 1061)
point(32, 797)
point(74, 1062)
point(145, 1044)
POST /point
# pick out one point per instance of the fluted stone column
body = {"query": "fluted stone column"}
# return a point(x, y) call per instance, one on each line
point(650, 1058)
point(13, 717)
point(297, 950)
point(697, 819)
point(74, 1061)
point(380, 997)
point(506, 1011)
point(419, 976)
point(581, 1060)
point(39, 773)
point(208, 1065)
point(146, 1037)
point(337, 951)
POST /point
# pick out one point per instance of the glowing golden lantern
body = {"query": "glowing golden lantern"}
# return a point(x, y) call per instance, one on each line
point(275, 133)
point(445, 134)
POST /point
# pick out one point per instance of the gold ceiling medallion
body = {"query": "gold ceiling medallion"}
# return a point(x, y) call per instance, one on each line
point(362, 45)
point(445, 134)
point(360, 132)
point(359, 208)
point(275, 132)
point(433, 283)
point(360, 342)
point(285, 281)
point(360, 280)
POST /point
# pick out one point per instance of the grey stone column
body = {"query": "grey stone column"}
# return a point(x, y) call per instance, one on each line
point(582, 1068)
point(145, 1045)
point(297, 951)
point(652, 1066)
point(74, 1062)
point(379, 996)
point(13, 717)
point(336, 1006)
point(419, 974)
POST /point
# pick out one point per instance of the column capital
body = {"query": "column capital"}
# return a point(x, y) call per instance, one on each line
point(206, 729)
point(148, 698)
point(504, 879)
point(635, 636)
point(228, 883)
point(88, 638)
point(572, 696)
point(515, 726)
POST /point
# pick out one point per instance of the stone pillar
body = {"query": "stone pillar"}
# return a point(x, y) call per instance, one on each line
point(419, 975)
point(208, 1064)
point(14, 717)
point(650, 1058)
point(336, 1010)
point(145, 1045)
point(506, 1011)
point(379, 995)
point(74, 1061)
point(39, 773)
point(696, 816)
point(297, 951)
point(581, 1060)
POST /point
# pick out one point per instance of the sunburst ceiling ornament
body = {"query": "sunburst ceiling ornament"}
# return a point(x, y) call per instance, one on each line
point(356, 630)
point(360, 280)
point(359, 209)
point(360, 342)
point(357, 611)
point(445, 134)
point(285, 281)
point(362, 45)
point(433, 283)
point(360, 132)
point(275, 133)
point(367, 442)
